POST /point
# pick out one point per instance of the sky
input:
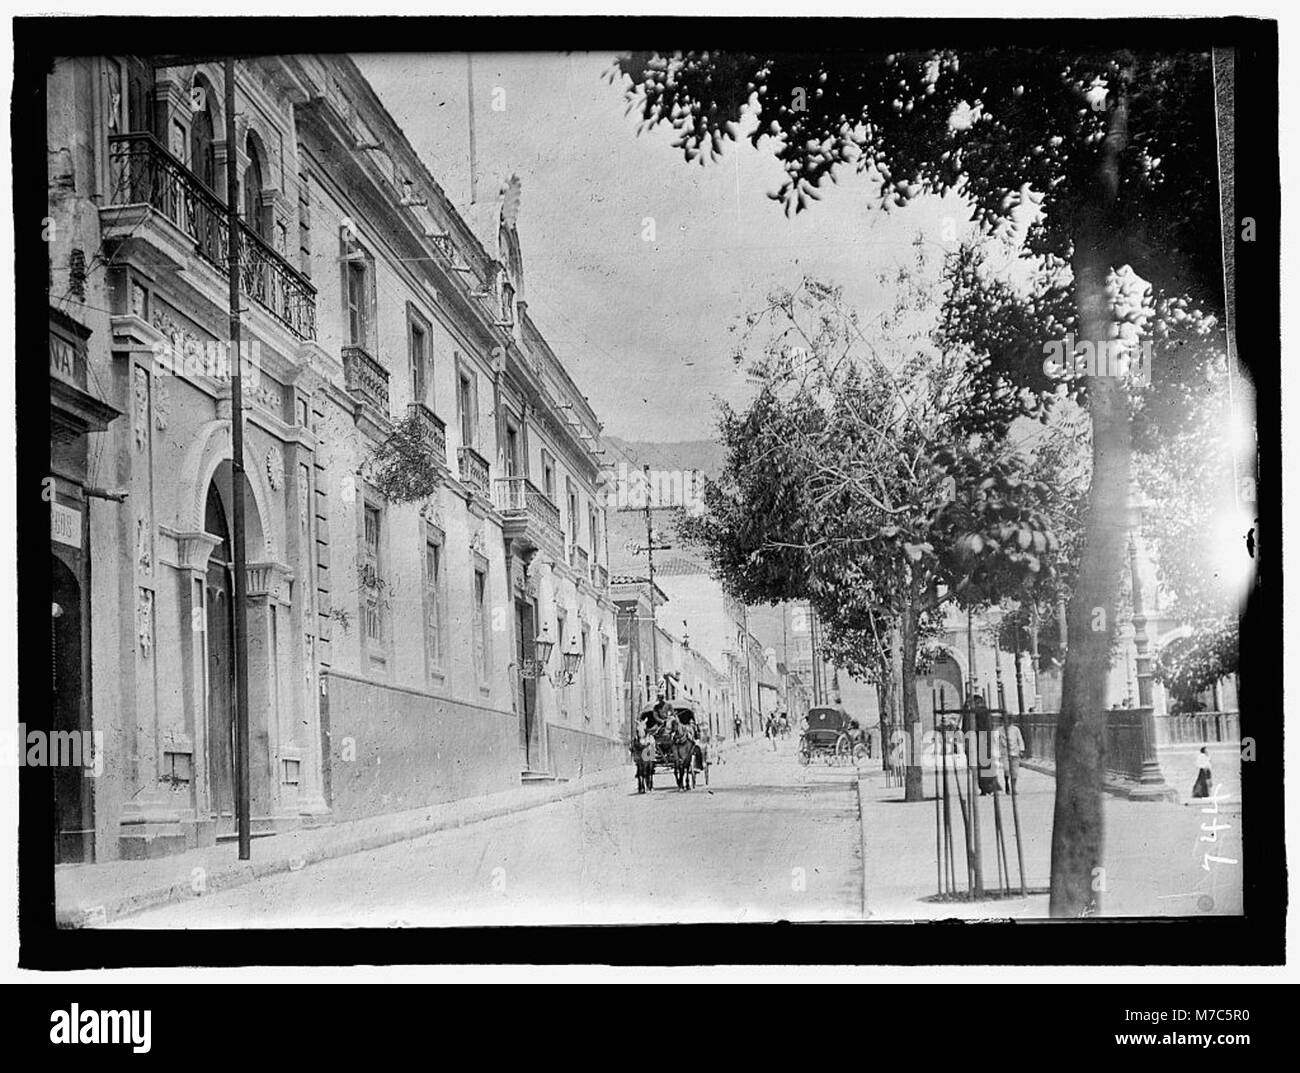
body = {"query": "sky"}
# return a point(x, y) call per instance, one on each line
point(642, 325)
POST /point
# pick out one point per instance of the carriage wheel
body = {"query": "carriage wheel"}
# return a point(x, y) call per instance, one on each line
point(859, 753)
point(804, 755)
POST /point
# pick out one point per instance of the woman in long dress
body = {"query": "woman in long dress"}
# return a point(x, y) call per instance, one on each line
point(1201, 788)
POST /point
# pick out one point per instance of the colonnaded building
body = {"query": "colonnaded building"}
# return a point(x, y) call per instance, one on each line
point(392, 645)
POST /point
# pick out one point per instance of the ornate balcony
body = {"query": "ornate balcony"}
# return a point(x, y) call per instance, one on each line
point(580, 561)
point(366, 379)
point(435, 432)
point(600, 577)
point(144, 174)
point(529, 517)
point(474, 470)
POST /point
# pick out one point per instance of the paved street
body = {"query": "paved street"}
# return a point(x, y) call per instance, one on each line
point(767, 840)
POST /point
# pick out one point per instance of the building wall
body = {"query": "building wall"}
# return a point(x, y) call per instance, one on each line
point(394, 748)
point(443, 727)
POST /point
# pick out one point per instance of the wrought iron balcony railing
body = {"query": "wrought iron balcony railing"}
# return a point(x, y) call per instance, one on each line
point(435, 432)
point(366, 378)
point(517, 496)
point(474, 469)
point(144, 173)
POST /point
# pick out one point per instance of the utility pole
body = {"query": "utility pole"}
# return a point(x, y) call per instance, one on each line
point(816, 668)
point(650, 559)
point(650, 547)
point(240, 632)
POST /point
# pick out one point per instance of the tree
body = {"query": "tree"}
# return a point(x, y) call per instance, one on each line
point(854, 481)
point(1110, 149)
point(1199, 538)
point(403, 468)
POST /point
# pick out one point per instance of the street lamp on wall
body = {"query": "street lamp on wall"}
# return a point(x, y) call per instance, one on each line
point(542, 645)
point(572, 660)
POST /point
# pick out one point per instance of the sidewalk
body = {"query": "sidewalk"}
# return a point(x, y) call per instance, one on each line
point(1154, 860)
point(90, 895)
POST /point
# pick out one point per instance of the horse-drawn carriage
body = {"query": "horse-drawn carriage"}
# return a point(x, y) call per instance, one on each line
point(830, 735)
point(677, 743)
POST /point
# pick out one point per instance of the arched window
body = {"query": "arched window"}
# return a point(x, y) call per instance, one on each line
point(253, 214)
point(202, 157)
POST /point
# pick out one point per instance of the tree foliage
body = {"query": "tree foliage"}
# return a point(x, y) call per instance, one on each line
point(1006, 128)
point(403, 468)
point(1198, 536)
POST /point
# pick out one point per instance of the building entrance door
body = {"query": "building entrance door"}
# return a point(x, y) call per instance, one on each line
point(525, 650)
point(71, 749)
point(221, 685)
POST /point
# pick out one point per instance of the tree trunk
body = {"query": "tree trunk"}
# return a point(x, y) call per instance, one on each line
point(1077, 835)
point(914, 786)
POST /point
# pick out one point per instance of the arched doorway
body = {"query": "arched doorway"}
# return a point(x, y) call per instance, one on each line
point(219, 592)
point(202, 155)
point(940, 686)
point(253, 214)
point(74, 831)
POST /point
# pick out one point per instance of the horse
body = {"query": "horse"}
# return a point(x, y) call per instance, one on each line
point(643, 756)
point(683, 753)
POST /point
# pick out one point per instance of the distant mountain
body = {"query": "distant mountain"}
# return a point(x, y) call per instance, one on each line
point(708, 456)
point(626, 526)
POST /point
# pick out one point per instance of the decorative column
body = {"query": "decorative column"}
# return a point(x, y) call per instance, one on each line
point(188, 553)
point(268, 620)
point(1152, 785)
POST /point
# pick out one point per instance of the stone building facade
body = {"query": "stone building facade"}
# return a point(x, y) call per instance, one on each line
point(387, 639)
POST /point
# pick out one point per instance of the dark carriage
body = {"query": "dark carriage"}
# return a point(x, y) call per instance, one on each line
point(685, 712)
point(832, 737)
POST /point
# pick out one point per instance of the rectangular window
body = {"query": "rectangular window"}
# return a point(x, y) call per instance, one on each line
point(481, 625)
point(584, 671)
point(548, 474)
point(467, 405)
point(574, 529)
point(371, 578)
point(356, 293)
point(180, 142)
point(593, 533)
point(418, 358)
point(433, 641)
point(604, 679)
point(512, 450)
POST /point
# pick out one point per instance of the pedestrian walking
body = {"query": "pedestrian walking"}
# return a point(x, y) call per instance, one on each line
point(1013, 747)
point(770, 730)
point(737, 730)
point(1201, 788)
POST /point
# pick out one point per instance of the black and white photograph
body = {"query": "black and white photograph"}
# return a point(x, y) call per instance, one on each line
point(695, 473)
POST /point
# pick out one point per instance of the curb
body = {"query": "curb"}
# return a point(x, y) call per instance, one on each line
point(1130, 791)
point(862, 846)
point(228, 877)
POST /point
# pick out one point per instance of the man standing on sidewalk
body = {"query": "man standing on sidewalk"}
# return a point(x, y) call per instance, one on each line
point(737, 728)
point(1013, 745)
